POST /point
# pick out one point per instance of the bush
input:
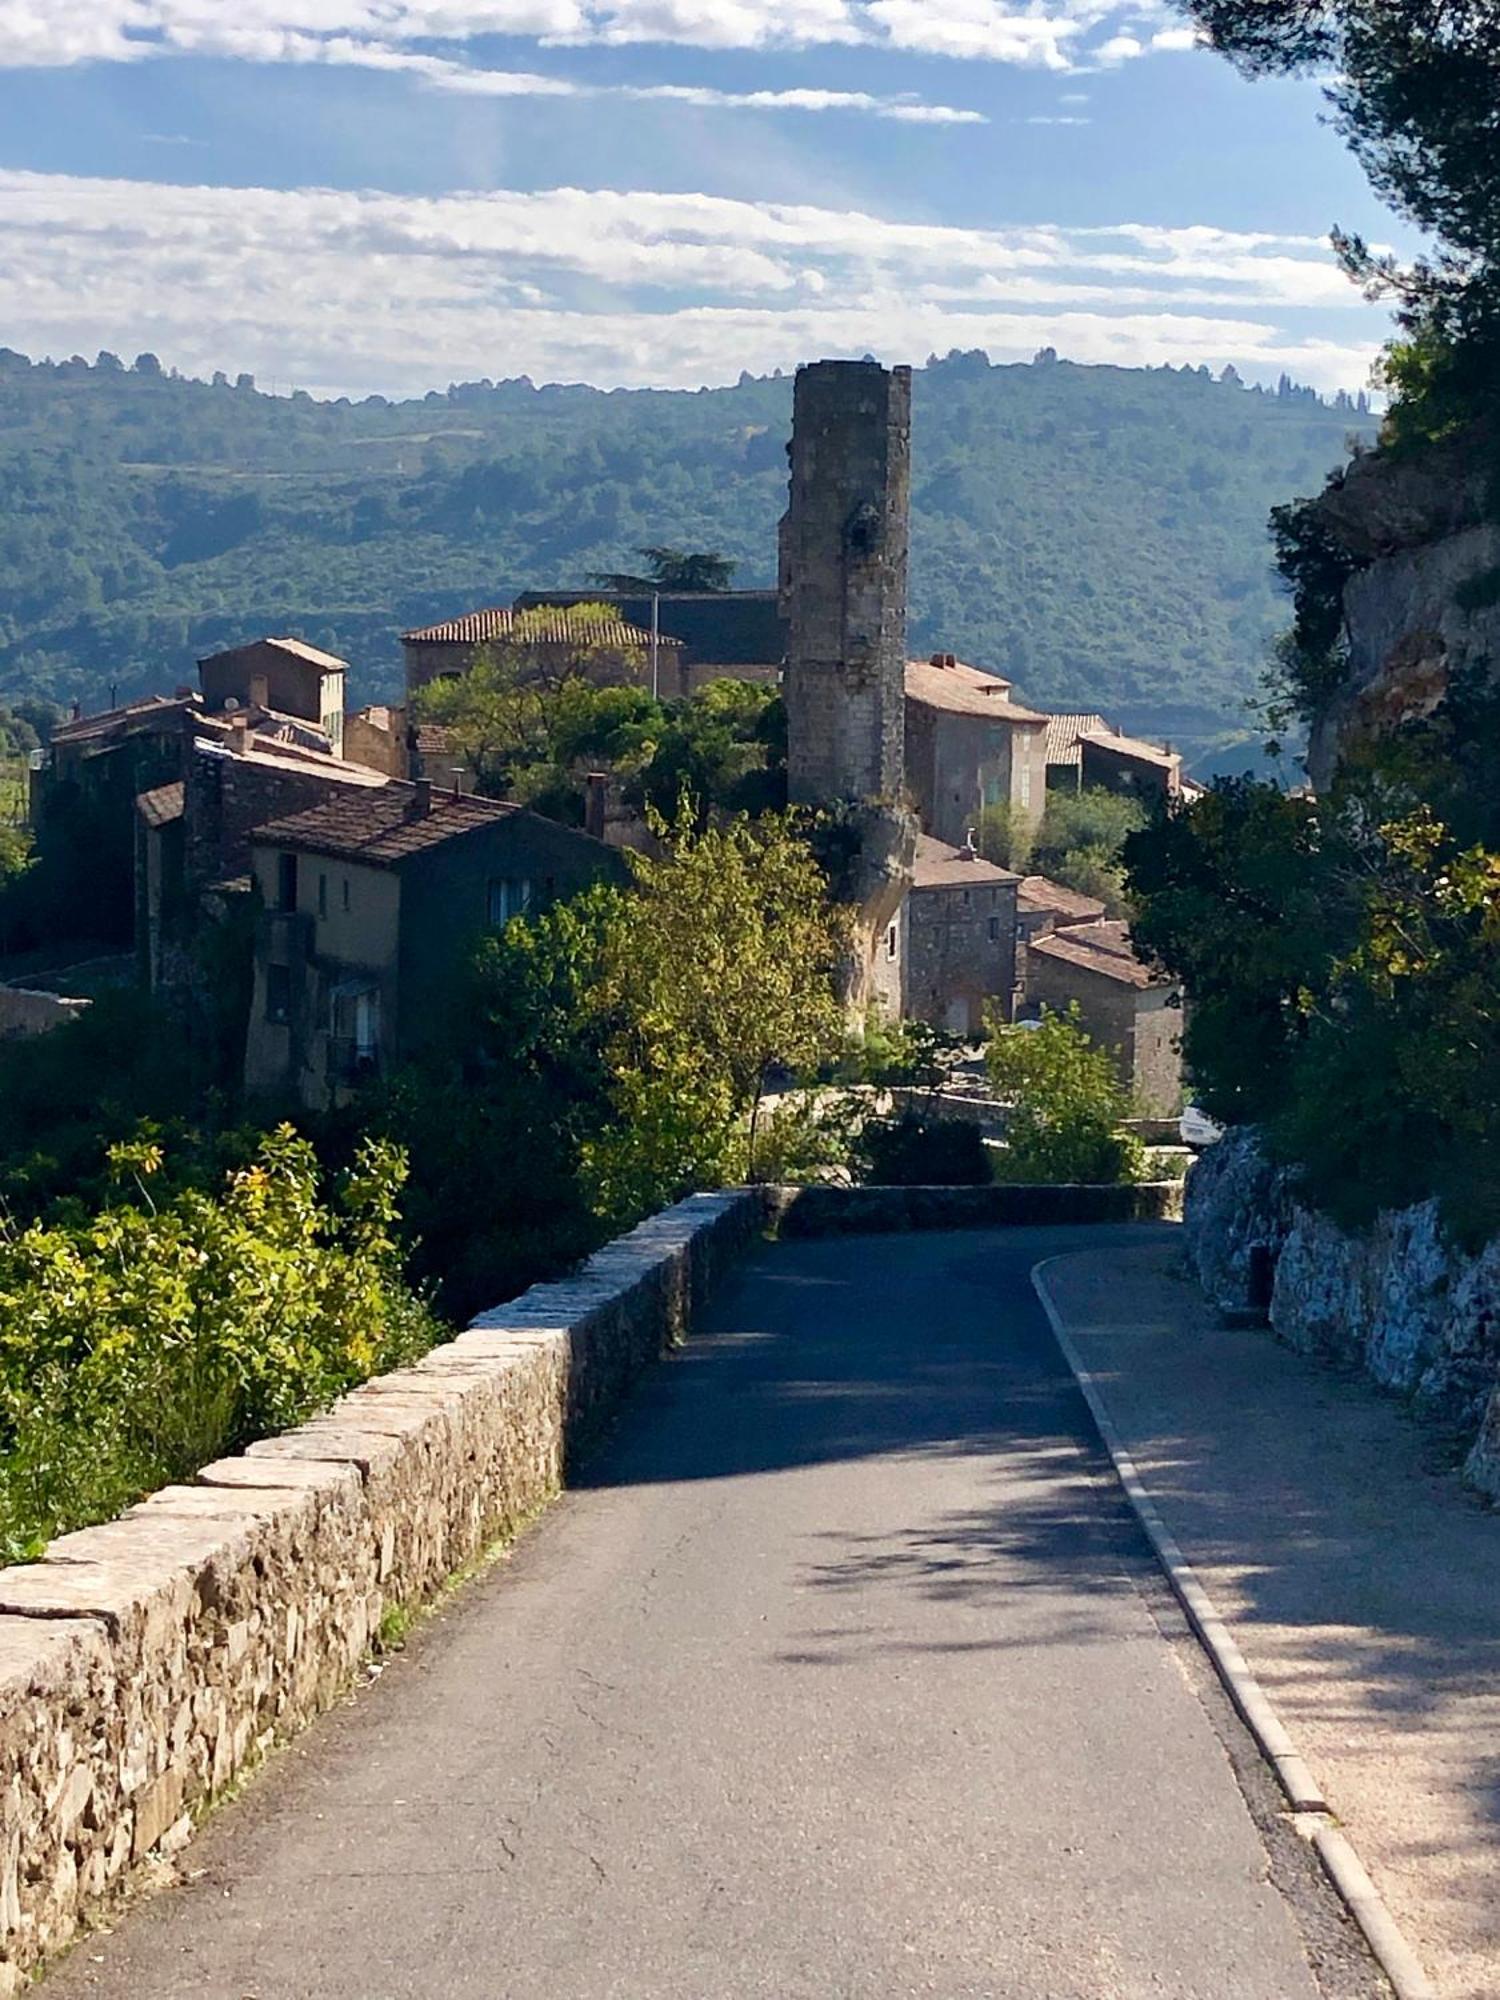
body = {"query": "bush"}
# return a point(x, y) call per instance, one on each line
point(915, 1152)
point(140, 1344)
point(1066, 1105)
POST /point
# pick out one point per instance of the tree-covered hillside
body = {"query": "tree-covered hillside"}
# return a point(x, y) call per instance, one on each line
point(1098, 534)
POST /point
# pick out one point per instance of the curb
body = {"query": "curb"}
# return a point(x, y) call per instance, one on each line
point(1358, 1893)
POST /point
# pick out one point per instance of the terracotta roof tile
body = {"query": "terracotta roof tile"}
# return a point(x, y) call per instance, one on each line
point(546, 625)
point(1064, 734)
point(1101, 948)
point(1131, 746)
point(383, 826)
point(1039, 894)
point(939, 866)
point(162, 806)
point(965, 690)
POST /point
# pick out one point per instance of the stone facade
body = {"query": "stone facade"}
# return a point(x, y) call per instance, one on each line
point(146, 1663)
point(1121, 1004)
point(24, 1012)
point(1399, 1300)
point(844, 546)
point(958, 944)
point(969, 748)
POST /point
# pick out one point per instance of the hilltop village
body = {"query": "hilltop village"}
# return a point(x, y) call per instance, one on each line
point(354, 854)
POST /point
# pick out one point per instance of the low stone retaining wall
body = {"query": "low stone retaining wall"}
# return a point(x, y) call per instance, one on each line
point(1399, 1300)
point(27, 1012)
point(831, 1211)
point(146, 1662)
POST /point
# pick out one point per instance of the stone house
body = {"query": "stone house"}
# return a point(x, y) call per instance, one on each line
point(285, 676)
point(1123, 1005)
point(610, 653)
point(1064, 752)
point(721, 635)
point(1044, 906)
point(369, 904)
point(1127, 764)
point(969, 745)
point(192, 834)
point(957, 943)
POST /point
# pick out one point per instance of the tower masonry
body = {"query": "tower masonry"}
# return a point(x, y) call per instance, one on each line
point(843, 582)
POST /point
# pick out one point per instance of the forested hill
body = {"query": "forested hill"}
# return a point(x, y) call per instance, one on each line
point(1098, 534)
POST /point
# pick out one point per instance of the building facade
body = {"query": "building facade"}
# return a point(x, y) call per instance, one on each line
point(720, 635)
point(958, 943)
point(286, 676)
point(547, 643)
point(370, 904)
point(1122, 1004)
point(969, 747)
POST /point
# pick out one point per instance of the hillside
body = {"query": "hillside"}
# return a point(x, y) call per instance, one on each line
point(1098, 534)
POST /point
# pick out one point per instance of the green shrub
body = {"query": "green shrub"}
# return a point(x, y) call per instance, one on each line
point(915, 1152)
point(139, 1344)
point(1066, 1105)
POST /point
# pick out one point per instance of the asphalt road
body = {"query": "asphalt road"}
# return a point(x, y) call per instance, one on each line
point(843, 1674)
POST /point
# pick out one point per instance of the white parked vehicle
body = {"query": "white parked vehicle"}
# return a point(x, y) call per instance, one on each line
point(1197, 1129)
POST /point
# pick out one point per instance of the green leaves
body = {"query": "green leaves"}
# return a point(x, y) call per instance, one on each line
point(1066, 1104)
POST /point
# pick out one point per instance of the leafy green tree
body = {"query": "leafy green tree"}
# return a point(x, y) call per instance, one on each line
point(724, 749)
point(1080, 841)
point(1066, 1104)
point(1414, 86)
point(673, 569)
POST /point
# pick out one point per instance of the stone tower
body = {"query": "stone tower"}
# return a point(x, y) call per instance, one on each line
point(843, 595)
point(843, 582)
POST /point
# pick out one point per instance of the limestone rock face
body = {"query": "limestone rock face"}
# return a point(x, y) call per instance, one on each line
point(1237, 1213)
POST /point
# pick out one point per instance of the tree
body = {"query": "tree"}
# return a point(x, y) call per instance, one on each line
point(673, 569)
point(1415, 87)
point(1066, 1104)
point(722, 976)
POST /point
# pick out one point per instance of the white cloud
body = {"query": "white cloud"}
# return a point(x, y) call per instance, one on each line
point(1177, 38)
point(1048, 34)
point(353, 292)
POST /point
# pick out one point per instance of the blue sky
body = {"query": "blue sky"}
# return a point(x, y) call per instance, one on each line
point(359, 195)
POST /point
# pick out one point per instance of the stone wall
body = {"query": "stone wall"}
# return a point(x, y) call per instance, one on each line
point(1399, 1300)
point(146, 1662)
point(837, 1211)
point(24, 1012)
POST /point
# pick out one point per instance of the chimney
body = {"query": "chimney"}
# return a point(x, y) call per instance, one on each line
point(260, 691)
point(421, 799)
point(239, 732)
point(945, 659)
point(594, 803)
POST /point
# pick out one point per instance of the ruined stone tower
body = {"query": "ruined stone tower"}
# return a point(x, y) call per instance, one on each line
point(843, 594)
point(843, 582)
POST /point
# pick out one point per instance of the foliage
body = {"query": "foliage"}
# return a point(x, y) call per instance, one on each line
point(1415, 88)
point(1078, 842)
point(722, 977)
point(911, 1151)
point(154, 1336)
point(672, 569)
point(913, 1053)
point(1066, 1104)
point(1340, 965)
point(148, 521)
point(723, 750)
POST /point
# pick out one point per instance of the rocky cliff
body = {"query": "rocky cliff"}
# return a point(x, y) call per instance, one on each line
point(1400, 1300)
point(1422, 602)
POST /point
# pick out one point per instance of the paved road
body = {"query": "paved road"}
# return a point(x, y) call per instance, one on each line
point(843, 1675)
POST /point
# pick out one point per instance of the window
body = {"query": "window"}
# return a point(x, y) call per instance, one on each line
point(508, 897)
point(279, 994)
point(322, 895)
point(994, 930)
point(1025, 781)
point(346, 893)
point(890, 941)
point(286, 881)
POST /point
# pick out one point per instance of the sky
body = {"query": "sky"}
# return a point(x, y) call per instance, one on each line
point(359, 196)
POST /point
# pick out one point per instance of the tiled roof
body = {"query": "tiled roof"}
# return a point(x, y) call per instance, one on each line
point(547, 625)
point(162, 806)
point(718, 628)
point(1131, 746)
point(939, 866)
point(132, 715)
point(1064, 733)
point(1102, 948)
point(965, 690)
point(269, 755)
point(1038, 893)
point(384, 827)
point(299, 649)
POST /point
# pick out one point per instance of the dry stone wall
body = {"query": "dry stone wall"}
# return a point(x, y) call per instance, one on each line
point(146, 1662)
point(1400, 1299)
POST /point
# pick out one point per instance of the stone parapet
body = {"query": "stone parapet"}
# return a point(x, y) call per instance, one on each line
point(836, 1211)
point(147, 1662)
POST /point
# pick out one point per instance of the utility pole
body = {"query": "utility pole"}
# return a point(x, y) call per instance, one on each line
point(655, 645)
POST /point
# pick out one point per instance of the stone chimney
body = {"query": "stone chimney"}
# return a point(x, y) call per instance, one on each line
point(239, 732)
point(596, 797)
point(421, 799)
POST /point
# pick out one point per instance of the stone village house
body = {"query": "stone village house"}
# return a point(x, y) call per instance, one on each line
point(1123, 1005)
point(957, 946)
point(369, 903)
point(970, 746)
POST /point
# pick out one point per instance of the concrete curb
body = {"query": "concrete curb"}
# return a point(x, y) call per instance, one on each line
point(1358, 1893)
